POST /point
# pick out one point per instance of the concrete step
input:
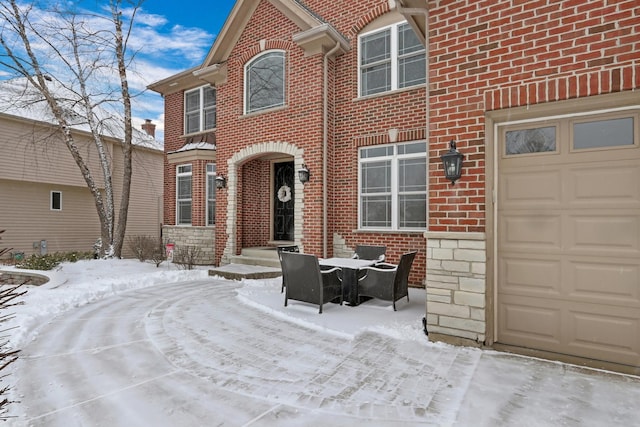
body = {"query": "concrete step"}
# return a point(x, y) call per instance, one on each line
point(261, 256)
point(259, 261)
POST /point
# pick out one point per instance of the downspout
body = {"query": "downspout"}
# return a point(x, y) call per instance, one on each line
point(425, 13)
point(325, 148)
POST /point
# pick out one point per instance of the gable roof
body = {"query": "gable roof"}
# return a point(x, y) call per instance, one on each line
point(315, 36)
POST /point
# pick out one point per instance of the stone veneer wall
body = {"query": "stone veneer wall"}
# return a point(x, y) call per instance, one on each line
point(456, 285)
point(201, 237)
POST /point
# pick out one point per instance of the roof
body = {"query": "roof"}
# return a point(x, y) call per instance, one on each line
point(21, 100)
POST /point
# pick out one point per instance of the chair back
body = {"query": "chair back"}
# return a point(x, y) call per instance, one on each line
point(401, 282)
point(371, 252)
point(303, 277)
point(291, 248)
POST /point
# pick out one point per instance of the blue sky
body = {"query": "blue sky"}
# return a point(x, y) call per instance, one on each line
point(197, 20)
point(208, 15)
point(169, 36)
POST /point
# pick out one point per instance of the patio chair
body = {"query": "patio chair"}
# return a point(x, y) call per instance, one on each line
point(387, 281)
point(307, 283)
point(374, 253)
point(292, 248)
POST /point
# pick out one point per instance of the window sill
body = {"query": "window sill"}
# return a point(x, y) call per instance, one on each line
point(265, 111)
point(390, 93)
point(385, 231)
point(202, 132)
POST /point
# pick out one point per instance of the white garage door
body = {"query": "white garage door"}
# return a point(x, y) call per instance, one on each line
point(568, 236)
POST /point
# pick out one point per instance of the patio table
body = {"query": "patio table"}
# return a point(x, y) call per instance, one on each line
point(350, 267)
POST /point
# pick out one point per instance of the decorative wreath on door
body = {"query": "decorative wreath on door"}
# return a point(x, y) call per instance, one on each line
point(284, 193)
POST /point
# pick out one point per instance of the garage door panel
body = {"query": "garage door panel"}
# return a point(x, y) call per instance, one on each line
point(527, 276)
point(531, 231)
point(525, 320)
point(604, 281)
point(605, 185)
point(524, 188)
point(612, 232)
point(593, 332)
point(584, 330)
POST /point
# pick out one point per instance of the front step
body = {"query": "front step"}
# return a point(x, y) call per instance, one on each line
point(264, 256)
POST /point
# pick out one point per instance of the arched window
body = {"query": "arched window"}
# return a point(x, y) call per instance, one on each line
point(264, 82)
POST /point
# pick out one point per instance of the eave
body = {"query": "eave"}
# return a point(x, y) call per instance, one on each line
point(415, 12)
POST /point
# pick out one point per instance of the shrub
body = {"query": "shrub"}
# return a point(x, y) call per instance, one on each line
point(185, 257)
point(51, 261)
point(147, 248)
point(8, 295)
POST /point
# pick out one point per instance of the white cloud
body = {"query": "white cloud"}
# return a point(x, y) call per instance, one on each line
point(158, 49)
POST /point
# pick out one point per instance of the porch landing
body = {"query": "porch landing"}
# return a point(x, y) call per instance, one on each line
point(253, 263)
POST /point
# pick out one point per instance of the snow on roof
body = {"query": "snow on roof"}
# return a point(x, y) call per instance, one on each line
point(196, 146)
point(18, 98)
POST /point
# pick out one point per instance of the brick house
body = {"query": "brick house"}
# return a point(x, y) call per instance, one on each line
point(535, 248)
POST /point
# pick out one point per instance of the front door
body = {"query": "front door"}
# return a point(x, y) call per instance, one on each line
point(283, 201)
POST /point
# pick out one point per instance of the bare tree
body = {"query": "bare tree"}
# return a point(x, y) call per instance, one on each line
point(76, 63)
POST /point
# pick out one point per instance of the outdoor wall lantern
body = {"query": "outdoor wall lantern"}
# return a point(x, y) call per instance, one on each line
point(221, 182)
point(303, 174)
point(452, 162)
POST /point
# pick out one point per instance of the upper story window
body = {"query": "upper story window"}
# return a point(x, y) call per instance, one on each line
point(183, 194)
point(390, 58)
point(264, 82)
point(199, 109)
point(393, 187)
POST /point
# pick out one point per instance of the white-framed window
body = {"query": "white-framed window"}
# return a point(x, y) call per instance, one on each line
point(390, 58)
point(199, 109)
point(264, 81)
point(55, 202)
point(393, 186)
point(211, 194)
point(183, 194)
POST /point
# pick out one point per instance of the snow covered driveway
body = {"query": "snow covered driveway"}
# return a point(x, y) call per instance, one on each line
point(193, 354)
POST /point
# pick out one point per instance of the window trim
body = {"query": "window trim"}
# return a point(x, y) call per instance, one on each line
point(395, 193)
point(201, 109)
point(51, 200)
point(178, 200)
point(245, 106)
point(394, 59)
point(206, 195)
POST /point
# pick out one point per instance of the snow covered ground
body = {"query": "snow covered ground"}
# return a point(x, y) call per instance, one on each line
point(123, 343)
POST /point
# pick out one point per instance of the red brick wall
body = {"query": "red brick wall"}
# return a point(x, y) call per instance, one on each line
point(300, 123)
point(488, 55)
point(484, 55)
point(255, 204)
point(173, 111)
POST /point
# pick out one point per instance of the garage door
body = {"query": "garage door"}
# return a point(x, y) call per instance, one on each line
point(568, 234)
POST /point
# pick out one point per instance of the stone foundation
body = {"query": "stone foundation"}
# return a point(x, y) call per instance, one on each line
point(456, 285)
point(200, 237)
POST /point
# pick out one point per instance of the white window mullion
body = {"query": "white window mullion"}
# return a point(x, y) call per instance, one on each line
point(394, 57)
point(395, 221)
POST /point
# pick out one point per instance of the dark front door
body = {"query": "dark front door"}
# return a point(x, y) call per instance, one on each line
point(283, 201)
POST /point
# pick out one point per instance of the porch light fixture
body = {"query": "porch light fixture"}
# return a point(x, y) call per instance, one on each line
point(303, 174)
point(452, 162)
point(221, 182)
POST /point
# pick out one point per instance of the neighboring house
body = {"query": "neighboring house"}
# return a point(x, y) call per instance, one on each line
point(536, 247)
point(45, 205)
